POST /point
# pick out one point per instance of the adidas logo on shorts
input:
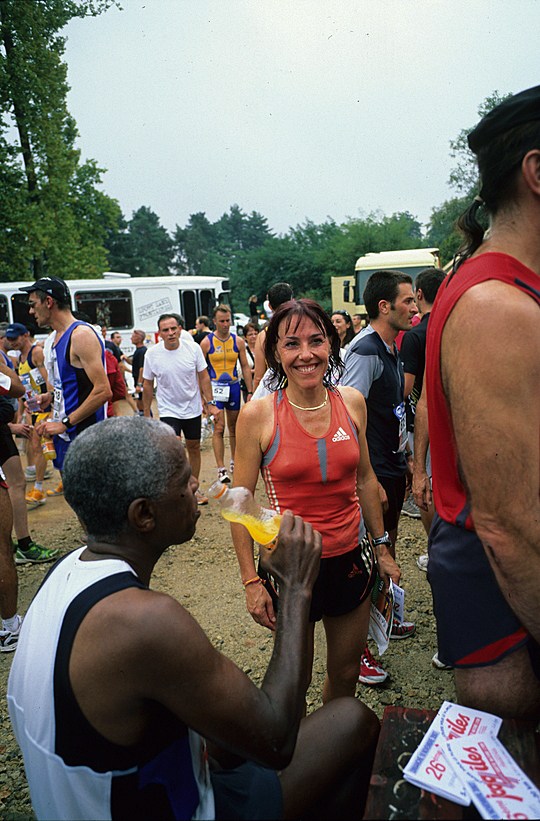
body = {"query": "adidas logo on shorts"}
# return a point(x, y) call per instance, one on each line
point(340, 435)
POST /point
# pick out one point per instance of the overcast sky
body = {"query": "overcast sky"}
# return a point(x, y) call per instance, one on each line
point(294, 108)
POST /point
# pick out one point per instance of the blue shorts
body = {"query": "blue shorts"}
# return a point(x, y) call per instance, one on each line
point(247, 791)
point(475, 625)
point(61, 447)
point(234, 397)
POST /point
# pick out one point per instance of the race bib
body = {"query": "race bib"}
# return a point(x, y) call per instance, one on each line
point(220, 391)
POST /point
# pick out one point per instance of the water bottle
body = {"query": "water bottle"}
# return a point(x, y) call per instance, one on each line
point(238, 505)
point(32, 403)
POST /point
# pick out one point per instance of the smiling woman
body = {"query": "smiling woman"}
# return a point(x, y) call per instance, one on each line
point(308, 438)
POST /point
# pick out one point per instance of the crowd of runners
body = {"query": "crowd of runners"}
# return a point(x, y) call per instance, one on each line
point(342, 427)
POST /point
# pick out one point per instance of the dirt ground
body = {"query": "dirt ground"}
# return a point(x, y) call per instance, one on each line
point(203, 575)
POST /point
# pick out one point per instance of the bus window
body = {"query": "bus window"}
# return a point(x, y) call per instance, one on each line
point(189, 308)
point(4, 313)
point(19, 309)
point(110, 308)
point(208, 302)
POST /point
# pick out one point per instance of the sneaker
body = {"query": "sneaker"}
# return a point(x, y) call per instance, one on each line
point(201, 498)
point(371, 672)
point(410, 508)
point(422, 562)
point(58, 491)
point(35, 498)
point(9, 639)
point(438, 664)
point(403, 630)
point(223, 476)
point(35, 554)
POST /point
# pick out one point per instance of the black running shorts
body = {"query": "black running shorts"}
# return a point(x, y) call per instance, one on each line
point(343, 583)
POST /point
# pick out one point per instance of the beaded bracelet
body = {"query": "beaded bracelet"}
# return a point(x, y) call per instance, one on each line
point(254, 580)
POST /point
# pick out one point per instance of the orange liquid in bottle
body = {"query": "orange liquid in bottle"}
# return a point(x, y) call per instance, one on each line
point(262, 532)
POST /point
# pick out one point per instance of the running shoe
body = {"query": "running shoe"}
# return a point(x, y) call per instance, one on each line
point(403, 630)
point(9, 638)
point(58, 491)
point(201, 498)
point(422, 562)
point(410, 508)
point(371, 672)
point(35, 554)
point(438, 664)
point(35, 498)
point(223, 476)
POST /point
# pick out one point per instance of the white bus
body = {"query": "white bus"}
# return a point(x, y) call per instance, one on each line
point(122, 302)
point(348, 294)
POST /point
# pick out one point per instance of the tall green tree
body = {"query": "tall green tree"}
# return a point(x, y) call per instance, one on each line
point(55, 219)
point(143, 247)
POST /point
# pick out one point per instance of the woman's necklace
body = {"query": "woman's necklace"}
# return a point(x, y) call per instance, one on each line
point(317, 407)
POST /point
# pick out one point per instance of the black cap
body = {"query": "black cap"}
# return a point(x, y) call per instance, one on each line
point(521, 108)
point(53, 286)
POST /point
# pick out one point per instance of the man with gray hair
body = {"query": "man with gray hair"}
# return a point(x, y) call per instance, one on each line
point(130, 686)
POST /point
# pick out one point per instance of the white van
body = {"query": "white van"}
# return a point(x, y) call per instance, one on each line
point(122, 302)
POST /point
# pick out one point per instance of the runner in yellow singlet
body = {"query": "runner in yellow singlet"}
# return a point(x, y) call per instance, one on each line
point(223, 351)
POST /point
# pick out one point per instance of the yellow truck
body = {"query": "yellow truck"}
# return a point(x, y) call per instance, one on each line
point(347, 293)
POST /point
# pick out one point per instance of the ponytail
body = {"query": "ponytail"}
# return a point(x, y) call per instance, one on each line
point(472, 231)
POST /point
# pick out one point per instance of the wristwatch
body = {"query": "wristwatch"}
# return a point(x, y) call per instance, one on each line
point(384, 539)
point(66, 421)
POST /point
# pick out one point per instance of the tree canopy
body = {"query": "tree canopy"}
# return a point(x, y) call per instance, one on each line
point(55, 219)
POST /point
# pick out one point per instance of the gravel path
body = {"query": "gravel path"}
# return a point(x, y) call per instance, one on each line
point(203, 576)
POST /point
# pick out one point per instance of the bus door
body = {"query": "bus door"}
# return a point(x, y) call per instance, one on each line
point(196, 303)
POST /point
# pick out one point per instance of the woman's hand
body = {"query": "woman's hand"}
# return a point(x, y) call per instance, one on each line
point(259, 605)
point(388, 569)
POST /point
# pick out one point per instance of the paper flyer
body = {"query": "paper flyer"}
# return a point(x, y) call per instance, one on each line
point(491, 777)
point(429, 767)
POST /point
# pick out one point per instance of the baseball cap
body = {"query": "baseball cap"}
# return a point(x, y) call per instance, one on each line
point(521, 108)
point(16, 329)
point(53, 286)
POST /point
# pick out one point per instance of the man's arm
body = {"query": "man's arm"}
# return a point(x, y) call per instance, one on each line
point(421, 485)
point(205, 387)
point(246, 369)
point(147, 396)
point(157, 653)
point(491, 381)
point(260, 359)
point(10, 384)
point(85, 354)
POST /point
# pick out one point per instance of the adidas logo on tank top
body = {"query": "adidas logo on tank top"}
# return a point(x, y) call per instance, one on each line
point(340, 435)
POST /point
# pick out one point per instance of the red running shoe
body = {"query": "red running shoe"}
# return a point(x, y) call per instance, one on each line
point(371, 672)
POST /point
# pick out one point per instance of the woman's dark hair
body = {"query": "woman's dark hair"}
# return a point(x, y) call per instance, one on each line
point(293, 312)
point(499, 163)
point(349, 333)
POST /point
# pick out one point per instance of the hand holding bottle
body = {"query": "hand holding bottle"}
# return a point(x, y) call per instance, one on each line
point(296, 558)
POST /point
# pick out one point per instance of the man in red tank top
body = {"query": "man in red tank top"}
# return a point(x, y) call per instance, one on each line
point(484, 423)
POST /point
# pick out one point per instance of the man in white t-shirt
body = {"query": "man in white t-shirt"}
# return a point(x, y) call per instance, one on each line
point(183, 387)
